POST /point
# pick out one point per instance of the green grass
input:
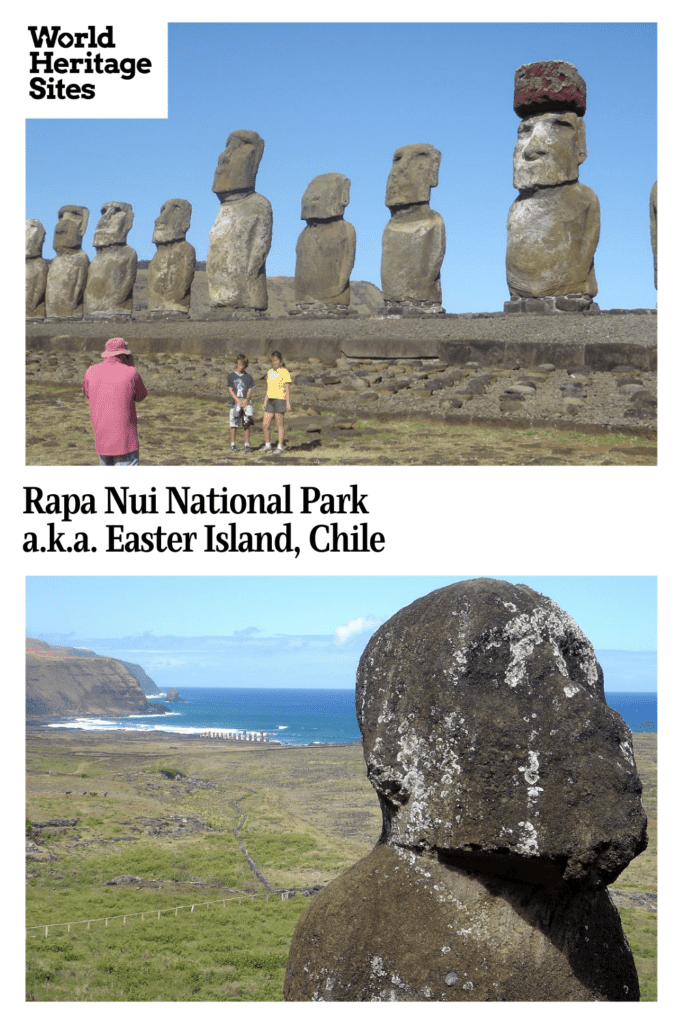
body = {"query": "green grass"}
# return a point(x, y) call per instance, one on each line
point(640, 927)
point(310, 814)
point(238, 953)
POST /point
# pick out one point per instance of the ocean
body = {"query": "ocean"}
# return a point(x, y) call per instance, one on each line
point(296, 717)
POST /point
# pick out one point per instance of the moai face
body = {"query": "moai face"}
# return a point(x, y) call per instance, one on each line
point(173, 222)
point(550, 147)
point(115, 222)
point(70, 228)
point(326, 197)
point(239, 162)
point(35, 236)
point(414, 172)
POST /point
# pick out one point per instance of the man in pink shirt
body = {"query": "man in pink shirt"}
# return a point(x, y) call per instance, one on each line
point(112, 388)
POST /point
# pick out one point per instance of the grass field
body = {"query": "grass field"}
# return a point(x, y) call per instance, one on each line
point(161, 819)
point(179, 430)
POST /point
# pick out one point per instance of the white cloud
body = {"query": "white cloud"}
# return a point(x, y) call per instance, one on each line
point(364, 624)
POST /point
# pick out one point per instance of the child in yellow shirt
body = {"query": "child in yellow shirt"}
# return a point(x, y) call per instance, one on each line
point(276, 402)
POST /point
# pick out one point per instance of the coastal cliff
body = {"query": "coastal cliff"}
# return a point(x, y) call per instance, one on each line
point(73, 681)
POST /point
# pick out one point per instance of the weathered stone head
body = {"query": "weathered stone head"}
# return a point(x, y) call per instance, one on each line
point(550, 97)
point(488, 739)
point(35, 237)
point(173, 222)
point(70, 228)
point(116, 220)
point(327, 196)
point(238, 164)
point(414, 173)
point(549, 149)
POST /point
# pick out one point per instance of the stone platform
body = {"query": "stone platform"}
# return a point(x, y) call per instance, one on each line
point(598, 340)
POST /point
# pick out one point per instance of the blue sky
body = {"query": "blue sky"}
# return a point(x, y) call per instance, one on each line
point(302, 631)
point(343, 97)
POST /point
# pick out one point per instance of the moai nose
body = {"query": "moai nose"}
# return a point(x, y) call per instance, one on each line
point(537, 144)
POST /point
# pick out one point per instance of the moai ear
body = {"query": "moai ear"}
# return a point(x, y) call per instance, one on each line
point(84, 217)
point(581, 151)
point(434, 171)
point(346, 192)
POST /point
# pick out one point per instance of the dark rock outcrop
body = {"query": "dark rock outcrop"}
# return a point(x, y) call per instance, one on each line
point(173, 696)
point(510, 799)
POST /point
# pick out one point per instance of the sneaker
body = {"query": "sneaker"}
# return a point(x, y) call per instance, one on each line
point(280, 448)
point(267, 447)
point(248, 448)
point(233, 448)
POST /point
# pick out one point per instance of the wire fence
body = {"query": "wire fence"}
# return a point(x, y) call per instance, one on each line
point(156, 914)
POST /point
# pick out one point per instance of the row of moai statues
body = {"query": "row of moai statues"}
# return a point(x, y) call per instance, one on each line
point(71, 287)
point(552, 230)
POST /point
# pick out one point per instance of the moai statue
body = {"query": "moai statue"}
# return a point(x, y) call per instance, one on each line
point(111, 278)
point(414, 240)
point(326, 248)
point(653, 226)
point(171, 270)
point(554, 224)
point(510, 801)
point(68, 271)
point(241, 235)
point(36, 270)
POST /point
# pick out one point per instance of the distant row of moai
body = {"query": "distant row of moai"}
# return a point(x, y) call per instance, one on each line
point(552, 231)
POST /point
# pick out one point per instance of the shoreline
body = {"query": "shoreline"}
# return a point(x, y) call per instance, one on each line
point(149, 735)
point(44, 728)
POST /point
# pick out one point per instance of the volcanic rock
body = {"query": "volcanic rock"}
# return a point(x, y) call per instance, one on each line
point(510, 800)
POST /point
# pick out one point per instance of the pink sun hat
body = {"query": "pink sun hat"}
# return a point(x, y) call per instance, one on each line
point(116, 347)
